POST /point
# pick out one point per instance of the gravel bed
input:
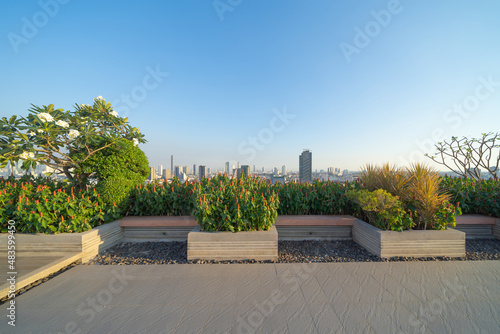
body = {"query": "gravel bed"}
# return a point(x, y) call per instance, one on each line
point(307, 251)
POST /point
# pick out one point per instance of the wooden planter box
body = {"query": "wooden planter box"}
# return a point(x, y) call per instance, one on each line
point(386, 244)
point(89, 243)
point(221, 246)
point(478, 226)
point(314, 227)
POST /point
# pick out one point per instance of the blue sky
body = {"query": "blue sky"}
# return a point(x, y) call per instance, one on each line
point(424, 70)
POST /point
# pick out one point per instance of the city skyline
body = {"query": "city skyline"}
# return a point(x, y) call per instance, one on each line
point(355, 82)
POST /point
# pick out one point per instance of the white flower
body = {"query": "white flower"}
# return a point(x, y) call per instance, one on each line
point(88, 105)
point(73, 134)
point(40, 131)
point(62, 123)
point(82, 105)
point(114, 113)
point(98, 98)
point(135, 141)
point(45, 117)
point(27, 155)
point(31, 134)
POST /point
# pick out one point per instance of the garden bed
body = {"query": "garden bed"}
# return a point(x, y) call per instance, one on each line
point(246, 245)
point(386, 244)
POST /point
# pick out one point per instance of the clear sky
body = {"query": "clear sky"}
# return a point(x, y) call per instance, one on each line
point(257, 81)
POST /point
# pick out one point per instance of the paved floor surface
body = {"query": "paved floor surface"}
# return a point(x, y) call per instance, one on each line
point(396, 297)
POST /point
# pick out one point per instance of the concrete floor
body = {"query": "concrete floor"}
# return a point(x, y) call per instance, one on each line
point(396, 297)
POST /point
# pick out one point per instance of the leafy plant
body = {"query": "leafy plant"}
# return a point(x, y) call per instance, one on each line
point(473, 196)
point(382, 209)
point(247, 204)
point(39, 205)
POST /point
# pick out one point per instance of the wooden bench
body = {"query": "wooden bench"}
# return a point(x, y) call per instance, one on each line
point(478, 226)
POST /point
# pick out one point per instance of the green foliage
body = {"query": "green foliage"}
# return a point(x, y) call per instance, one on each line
point(318, 198)
point(382, 209)
point(247, 204)
point(117, 169)
point(39, 205)
point(63, 139)
point(418, 188)
point(163, 199)
point(472, 196)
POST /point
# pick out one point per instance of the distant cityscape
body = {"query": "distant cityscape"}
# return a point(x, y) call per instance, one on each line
point(185, 173)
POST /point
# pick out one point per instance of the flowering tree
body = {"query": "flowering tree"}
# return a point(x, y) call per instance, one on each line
point(63, 139)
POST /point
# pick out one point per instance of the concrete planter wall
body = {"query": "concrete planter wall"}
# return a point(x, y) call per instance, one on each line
point(314, 227)
point(157, 228)
point(89, 243)
point(386, 244)
point(220, 246)
point(478, 226)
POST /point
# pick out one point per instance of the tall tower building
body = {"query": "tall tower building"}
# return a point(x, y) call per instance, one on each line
point(194, 169)
point(245, 170)
point(152, 174)
point(172, 170)
point(178, 171)
point(305, 166)
point(185, 170)
point(160, 169)
point(203, 172)
point(283, 170)
point(227, 168)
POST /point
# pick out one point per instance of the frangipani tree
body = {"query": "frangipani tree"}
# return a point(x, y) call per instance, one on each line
point(63, 139)
point(470, 155)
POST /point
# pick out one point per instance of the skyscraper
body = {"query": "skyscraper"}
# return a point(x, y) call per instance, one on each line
point(172, 170)
point(160, 169)
point(245, 170)
point(178, 171)
point(152, 174)
point(227, 167)
point(305, 166)
point(185, 170)
point(194, 169)
point(203, 172)
point(283, 170)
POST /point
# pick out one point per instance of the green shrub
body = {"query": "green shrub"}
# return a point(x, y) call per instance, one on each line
point(163, 199)
point(247, 204)
point(472, 196)
point(116, 169)
point(318, 198)
point(39, 205)
point(382, 209)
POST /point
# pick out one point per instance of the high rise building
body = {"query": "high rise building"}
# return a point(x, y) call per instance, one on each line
point(283, 170)
point(194, 169)
point(227, 167)
point(152, 174)
point(185, 170)
point(208, 171)
point(262, 169)
point(253, 168)
point(245, 170)
point(166, 174)
point(238, 173)
point(172, 170)
point(305, 166)
point(177, 171)
point(203, 172)
point(160, 169)
point(275, 171)
point(238, 165)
